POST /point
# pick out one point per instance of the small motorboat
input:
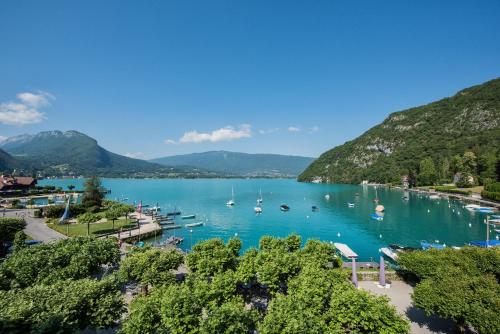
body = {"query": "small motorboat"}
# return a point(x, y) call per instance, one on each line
point(174, 213)
point(484, 209)
point(434, 197)
point(314, 208)
point(284, 207)
point(351, 205)
point(188, 217)
point(195, 224)
point(472, 207)
point(376, 217)
point(327, 197)
point(257, 209)
point(380, 208)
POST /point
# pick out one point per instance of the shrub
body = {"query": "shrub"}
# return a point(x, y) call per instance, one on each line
point(492, 191)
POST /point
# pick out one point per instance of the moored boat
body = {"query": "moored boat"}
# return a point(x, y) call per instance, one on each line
point(257, 209)
point(350, 205)
point(376, 217)
point(188, 217)
point(314, 208)
point(284, 207)
point(195, 224)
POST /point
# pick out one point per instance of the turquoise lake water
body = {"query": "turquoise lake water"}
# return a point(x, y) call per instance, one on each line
point(405, 222)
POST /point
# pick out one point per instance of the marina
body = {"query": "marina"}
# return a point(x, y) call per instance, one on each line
point(311, 214)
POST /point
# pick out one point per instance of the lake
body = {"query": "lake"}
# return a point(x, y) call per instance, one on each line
point(405, 222)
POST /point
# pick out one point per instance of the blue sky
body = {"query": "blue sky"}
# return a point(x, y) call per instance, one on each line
point(155, 78)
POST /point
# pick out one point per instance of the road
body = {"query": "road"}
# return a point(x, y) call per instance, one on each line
point(35, 227)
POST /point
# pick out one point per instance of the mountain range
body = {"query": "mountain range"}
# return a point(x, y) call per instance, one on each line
point(469, 120)
point(241, 164)
point(57, 153)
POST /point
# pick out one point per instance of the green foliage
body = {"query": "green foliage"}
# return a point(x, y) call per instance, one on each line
point(427, 172)
point(458, 284)
point(452, 190)
point(212, 256)
point(56, 211)
point(62, 307)
point(67, 259)
point(151, 266)
point(94, 192)
point(8, 229)
point(19, 241)
point(87, 218)
point(439, 130)
point(492, 191)
point(280, 288)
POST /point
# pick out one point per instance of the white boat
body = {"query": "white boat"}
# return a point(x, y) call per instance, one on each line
point(257, 209)
point(472, 207)
point(231, 201)
point(380, 208)
point(389, 253)
point(259, 199)
point(195, 224)
point(327, 197)
point(351, 205)
point(434, 197)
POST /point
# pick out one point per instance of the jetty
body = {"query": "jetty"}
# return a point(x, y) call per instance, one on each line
point(345, 250)
point(147, 228)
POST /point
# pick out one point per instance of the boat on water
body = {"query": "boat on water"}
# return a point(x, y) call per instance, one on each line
point(495, 216)
point(376, 217)
point(195, 224)
point(166, 222)
point(327, 197)
point(485, 244)
point(171, 227)
point(484, 209)
point(314, 208)
point(257, 209)
point(284, 207)
point(427, 245)
point(174, 213)
point(472, 207)
point(260, 199)
point(351, 205)
point(174, 240)
point(389, 253)
point(231, 201)
point(188, 217)
point(380, 208)
point(434, 197)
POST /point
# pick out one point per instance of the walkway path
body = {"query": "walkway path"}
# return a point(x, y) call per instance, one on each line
point(400, 296)
point(35, 227)
point(147, 226)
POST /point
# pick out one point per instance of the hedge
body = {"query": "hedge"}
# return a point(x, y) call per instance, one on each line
point(56, 211)
point(452, 190)
point(493, 195)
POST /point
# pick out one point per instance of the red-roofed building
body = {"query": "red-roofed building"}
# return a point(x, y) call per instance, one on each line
point(16, 183)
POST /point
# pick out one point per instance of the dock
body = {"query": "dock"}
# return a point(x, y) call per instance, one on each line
point(147, 228)
point(345, 250)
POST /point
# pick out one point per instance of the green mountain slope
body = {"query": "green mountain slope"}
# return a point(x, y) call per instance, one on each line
point(7, 162)
point(74, 153)
point(241, 164)
point(470, 120)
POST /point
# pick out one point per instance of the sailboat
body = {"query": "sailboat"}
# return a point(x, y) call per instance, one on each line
point(259, 199)
point(231, 201)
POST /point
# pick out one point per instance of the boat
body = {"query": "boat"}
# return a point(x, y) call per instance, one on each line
point(351, 205)
point(257, 209)
point(426, 245)
point(174, 240)
point(485, 244)
point(399, 248)
point(171, 227)
point(231, 201)
point(495, 216)
point(376, 217)
point(434, 197)
point(174, 213)
point(259, 199)
point(314, 208)
point(380, 208)
point(188, 217)
point(472, 207)
point(389, 253)
point(284, 207)
point(327, 197)
point(484, 209)
point(195, 224)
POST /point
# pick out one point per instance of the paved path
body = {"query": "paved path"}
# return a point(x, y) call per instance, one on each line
point(400, 296)
point(35, 227)
point(147, 225)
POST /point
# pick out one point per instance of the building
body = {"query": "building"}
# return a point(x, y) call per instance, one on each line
point(12, 184)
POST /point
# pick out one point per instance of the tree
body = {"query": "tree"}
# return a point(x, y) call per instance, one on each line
point(427, 172)
point(93, 193)
point(87, 218)
point(211, 257)
point(8, 229)
point(19, 241)
point(458, 284)
point(113, 214)
point(151, 267)
point(230, 317)
point(444, 170)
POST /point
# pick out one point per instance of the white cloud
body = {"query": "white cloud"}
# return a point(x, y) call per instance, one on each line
point(136, 155)
point(293, 129)
point(3, 138)
point(27, 110)
point(268, 131)
point(170, 142)
point(227, 133)
point(314, 129)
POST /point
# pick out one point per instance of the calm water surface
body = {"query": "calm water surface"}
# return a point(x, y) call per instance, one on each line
point(405, 222)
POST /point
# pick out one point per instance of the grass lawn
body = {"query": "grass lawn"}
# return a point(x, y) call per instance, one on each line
point(73, 230)
point(476, 189)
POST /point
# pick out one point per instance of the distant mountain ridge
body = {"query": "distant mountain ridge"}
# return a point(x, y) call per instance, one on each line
point(73, 153)
point(241, 164)
point(469, 120)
